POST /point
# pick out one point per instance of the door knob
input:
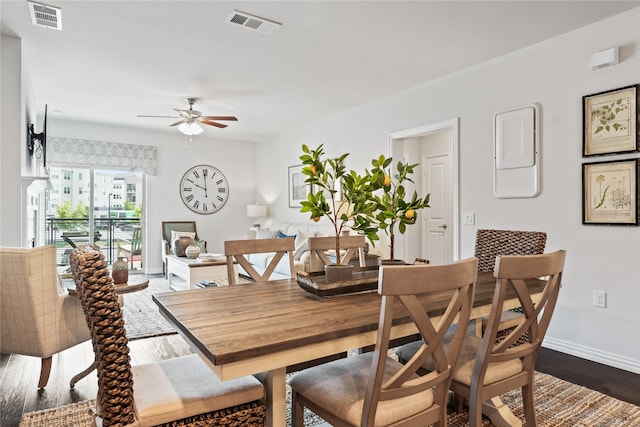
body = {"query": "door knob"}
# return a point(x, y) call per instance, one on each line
point(443, 226)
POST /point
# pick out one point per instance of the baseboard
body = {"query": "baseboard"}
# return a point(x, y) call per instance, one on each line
point(588, 353)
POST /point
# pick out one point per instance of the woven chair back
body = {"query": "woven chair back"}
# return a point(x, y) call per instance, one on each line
point(491, 243)
point(114, 403)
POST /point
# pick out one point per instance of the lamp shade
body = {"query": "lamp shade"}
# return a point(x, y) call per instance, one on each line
point(190, 128)
point(256, 211)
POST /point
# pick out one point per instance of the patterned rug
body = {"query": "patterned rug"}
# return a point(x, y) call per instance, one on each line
point(141, 316)
point(558, 403)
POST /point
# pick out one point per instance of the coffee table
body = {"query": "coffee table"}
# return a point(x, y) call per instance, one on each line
point(192, 271)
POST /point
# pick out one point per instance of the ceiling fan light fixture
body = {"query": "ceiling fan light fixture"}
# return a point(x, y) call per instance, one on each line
point(190, 128)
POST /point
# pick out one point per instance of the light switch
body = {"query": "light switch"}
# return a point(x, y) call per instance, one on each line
point(468, 218)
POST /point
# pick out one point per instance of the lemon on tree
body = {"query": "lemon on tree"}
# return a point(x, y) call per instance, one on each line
point(393, 212)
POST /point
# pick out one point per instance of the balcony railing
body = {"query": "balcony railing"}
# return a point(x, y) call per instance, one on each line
point(66, 233)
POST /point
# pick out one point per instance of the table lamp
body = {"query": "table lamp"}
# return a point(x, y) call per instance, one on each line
point(256, 211)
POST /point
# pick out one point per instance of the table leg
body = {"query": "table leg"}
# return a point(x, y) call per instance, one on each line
point(275, 384)
point(499, 413)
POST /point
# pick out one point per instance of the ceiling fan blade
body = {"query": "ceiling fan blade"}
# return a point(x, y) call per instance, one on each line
point(177, 123)
point(163, 117)
point(207, 122)
point(220, 118)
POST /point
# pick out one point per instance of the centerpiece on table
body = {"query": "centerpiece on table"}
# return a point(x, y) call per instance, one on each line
point(345, 198)
point(393, 211)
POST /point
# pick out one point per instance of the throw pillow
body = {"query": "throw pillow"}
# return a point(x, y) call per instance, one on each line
point(181, 244)
point(265, 233)
point(281, 235)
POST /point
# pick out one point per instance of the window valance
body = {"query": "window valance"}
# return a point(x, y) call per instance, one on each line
point(102, 154)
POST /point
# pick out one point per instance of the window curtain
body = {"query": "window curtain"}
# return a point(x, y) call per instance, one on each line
point(102, 154)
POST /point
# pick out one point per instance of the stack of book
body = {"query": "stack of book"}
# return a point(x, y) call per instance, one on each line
point(206, 284)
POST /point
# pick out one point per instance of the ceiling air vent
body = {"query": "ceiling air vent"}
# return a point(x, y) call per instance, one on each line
point(253, 22)
point(44, 15)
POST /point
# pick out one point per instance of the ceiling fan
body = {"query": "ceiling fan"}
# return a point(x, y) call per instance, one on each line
point(189, 119)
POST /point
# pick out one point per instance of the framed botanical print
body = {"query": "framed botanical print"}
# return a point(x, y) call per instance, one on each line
point(298, 188)
point(611, 122)
point(610, 192)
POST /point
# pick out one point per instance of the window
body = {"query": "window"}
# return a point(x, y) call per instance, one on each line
point(67, 190)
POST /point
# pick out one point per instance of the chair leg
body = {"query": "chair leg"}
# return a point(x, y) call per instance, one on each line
point(297, 410)
point(45, 371)
point(475, 410)
point(528, 404)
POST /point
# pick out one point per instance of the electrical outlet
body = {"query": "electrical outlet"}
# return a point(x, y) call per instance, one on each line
point(600, 299)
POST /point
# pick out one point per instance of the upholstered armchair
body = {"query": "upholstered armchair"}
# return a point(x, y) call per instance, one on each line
point(38, 317)
point(173, 229)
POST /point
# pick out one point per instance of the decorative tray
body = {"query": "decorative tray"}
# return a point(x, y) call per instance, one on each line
point(363, 279)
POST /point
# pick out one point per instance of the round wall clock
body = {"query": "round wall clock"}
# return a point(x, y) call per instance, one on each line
point(204, 189)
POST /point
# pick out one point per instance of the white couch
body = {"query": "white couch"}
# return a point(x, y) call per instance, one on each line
point(302, 256)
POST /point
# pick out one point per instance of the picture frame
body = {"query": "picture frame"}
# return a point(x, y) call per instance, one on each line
point(611, 124)
point(610, 192)
point(298, 188)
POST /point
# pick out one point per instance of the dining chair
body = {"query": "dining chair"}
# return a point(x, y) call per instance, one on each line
point(489, 244)
point(38, 316)
point(488, 367)
point(178, 391)
point(318, 247)
point(372, 388)
point(238, 250)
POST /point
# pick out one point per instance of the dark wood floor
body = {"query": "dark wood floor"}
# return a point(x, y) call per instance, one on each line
point(19, 376)
point(622, 385)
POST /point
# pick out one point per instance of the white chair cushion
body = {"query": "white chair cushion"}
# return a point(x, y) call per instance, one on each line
point(181, 387)
point(340, 386)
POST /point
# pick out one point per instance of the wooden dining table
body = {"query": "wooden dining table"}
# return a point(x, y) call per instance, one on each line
point(265, 327)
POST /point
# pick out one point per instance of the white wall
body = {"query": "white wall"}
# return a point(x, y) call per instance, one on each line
point(555, 74)
point(161, 200)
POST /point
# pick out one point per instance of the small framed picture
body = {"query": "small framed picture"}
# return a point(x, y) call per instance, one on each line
point(610, 192)
point(611, 122)
point(298, 189)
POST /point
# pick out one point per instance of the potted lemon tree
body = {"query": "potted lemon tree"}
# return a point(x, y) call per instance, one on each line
point(344, 197)
point(393, 210)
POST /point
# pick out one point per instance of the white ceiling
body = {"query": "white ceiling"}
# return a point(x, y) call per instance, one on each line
point(117, 59)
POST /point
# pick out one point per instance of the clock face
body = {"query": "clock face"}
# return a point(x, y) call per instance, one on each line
point(204, 189)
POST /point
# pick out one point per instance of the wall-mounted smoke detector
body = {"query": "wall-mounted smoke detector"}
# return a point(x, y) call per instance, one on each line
point(252, 22)
point(46, 16)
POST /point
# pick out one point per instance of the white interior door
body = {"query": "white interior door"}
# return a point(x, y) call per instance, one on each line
point(437, 227)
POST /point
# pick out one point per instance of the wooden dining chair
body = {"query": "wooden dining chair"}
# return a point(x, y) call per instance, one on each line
point(488, 367)
point(352, 245)
point(489, 244)
point(372, 388)
point(130, 247)
point(239, 249)
point(181, 391)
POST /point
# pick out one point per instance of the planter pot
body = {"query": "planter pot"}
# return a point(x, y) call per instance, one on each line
point(391, 262)
point(338, 273)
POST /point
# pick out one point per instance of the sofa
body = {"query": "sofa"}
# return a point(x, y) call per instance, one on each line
point(301, 257)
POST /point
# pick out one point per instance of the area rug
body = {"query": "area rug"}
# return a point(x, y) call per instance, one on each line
point(141, 316)
point(558, 403)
